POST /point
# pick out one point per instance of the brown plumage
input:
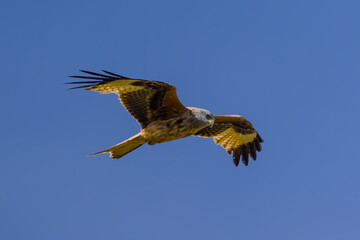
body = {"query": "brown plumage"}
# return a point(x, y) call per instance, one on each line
point(163, 118)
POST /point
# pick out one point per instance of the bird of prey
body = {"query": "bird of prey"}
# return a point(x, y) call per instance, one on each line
point(163, 118)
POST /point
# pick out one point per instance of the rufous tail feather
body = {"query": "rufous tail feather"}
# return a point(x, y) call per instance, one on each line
point(124, 147)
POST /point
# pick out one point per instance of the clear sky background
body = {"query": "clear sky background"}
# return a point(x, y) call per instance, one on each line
point(292, 68)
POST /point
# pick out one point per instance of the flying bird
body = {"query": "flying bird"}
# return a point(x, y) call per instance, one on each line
point(163, 118)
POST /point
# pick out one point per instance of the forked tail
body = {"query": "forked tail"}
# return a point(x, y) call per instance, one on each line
point(124, 147)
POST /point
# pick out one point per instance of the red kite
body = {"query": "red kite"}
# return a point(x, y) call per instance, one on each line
point(163, 118)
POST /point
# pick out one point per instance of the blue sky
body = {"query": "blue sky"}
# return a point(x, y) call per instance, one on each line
point(290, 67)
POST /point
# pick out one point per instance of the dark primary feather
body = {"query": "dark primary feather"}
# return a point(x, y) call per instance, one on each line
point(245, 155)
point(236, 156)
point(88, 77)
point(101, 78)
point(257, 145)
point(82, 82)
point(114, 74)
point(83, 86)
point(252, 150)
point(103, 75)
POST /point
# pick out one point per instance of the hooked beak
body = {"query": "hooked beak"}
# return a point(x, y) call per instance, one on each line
point(211, 123)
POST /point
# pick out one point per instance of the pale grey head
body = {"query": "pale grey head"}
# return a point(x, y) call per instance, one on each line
point(204, 117)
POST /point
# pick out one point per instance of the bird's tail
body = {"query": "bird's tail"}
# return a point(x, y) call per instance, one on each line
point(124, 147)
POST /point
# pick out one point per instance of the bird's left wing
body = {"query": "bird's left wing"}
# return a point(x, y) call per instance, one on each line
point(236, 135)
point(146, 101)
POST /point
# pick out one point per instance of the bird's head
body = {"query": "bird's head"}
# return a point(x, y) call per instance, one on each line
point(204, 116)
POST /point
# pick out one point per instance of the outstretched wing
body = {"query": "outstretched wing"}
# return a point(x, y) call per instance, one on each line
point(145, 100)
point(236, 135)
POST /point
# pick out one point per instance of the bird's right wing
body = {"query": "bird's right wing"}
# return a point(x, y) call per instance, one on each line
point(145, 100)
point(236, 135)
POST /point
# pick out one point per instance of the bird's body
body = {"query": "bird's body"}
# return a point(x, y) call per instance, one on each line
point(183, 125)
point(163, 118)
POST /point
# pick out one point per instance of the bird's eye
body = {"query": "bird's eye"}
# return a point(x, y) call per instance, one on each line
point(208, 116)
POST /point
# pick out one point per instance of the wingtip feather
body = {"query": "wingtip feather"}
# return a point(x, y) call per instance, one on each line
point(245, 155)
point(114, 74)
point(252, 150)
